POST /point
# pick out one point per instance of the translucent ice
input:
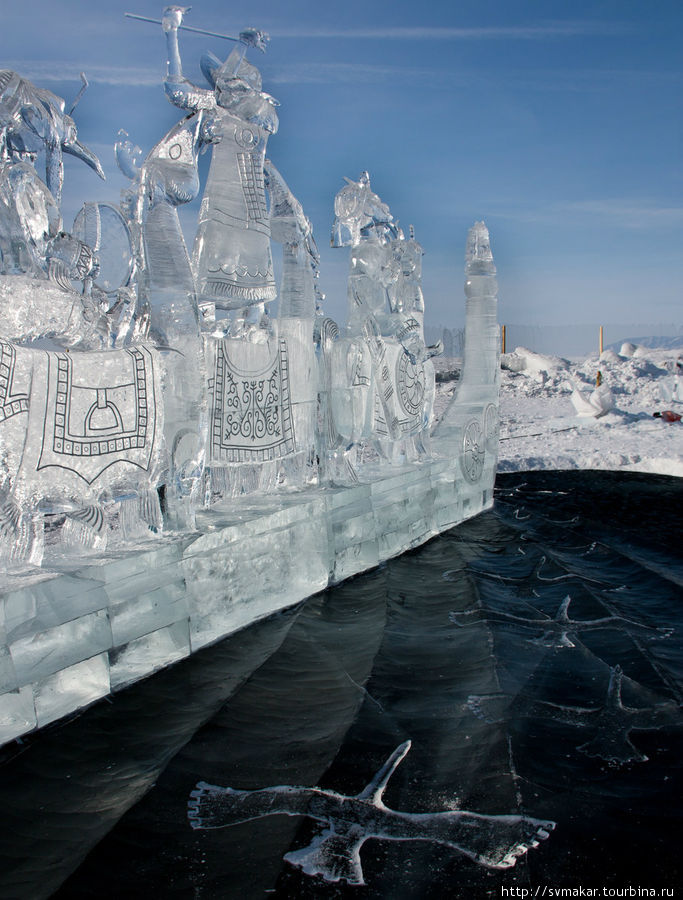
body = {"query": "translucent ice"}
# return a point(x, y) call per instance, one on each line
point(33, 119)
point(557, 631)
point(612, 722)
point(231, 255)
point(347, 822)
point(141, 384)
point(381, 380)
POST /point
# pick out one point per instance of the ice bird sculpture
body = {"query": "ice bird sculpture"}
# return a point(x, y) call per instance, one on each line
point(613, 722)
point(34, 119)
point(347, 822)
point(556, 631)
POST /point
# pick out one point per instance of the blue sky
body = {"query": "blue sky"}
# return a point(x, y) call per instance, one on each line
point(558, 123)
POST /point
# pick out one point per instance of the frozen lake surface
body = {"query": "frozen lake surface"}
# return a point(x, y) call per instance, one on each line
point(516, 701)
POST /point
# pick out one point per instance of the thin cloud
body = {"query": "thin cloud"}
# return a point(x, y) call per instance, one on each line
point(629, 214)
point(594, 81)
point(44, 72)
point(441, 33)
point(346, 73)
point(621, 213)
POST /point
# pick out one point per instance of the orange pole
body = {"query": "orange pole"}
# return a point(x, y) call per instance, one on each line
point(503, 337)
point(601, 340)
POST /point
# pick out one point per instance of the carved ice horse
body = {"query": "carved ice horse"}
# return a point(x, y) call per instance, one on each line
point(169, 177)
point(87, 439)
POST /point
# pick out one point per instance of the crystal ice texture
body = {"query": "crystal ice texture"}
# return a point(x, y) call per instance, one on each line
point(346, 822)
point(557, 632)
point(611, 722)
point(381, 379)
point(232, 256)
point(141, 382)
point(177, 459)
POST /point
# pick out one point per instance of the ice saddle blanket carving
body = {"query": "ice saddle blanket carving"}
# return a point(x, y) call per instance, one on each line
point(85, 411)
point(251, 405)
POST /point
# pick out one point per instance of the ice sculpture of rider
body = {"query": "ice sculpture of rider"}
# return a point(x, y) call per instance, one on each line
point(232, 256)
point(389, 400)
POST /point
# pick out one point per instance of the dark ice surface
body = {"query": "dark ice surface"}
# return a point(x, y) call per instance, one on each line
point(516, 701)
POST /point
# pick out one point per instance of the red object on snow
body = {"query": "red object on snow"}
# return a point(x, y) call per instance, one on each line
point(668, 415)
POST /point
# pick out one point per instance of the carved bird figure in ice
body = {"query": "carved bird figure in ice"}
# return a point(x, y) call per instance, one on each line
point(348, 821)
point(32, 242)
point(231, 257)
point(33, 119)
point(383, 382)
point(557, 631)
point(612, 721)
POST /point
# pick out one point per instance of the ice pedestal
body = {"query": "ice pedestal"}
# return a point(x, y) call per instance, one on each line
point(73, 632)
point(69, 637)
point(166, 401)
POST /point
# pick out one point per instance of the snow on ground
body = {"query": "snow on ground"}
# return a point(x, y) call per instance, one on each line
point(540, 427)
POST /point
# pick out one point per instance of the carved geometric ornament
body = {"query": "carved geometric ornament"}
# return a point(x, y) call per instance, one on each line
point(251, 414)
point(473, 452)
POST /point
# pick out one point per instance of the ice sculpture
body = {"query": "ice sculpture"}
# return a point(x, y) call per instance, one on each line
point(68, 420)
point(166, 300)
point(481, 363)
point(33, 120)
point(613, 722)
point(594, 403)
point(33, 245)
point(348, 821)
point(232, 255)
point(147, 389)
point(381, 381)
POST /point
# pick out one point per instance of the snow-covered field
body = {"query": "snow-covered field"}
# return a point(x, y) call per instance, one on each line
point(541, 428)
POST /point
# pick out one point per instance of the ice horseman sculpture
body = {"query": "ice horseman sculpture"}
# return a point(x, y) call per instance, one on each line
point(162, 384)
point(382, 382)
point(232, 248)
point(80, 432)
point(145, 388)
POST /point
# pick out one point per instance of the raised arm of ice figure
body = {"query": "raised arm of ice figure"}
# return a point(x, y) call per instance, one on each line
point(172, 18)
point(181, 92)
point(224, 77)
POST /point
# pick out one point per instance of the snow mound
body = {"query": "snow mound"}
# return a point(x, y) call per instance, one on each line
point(523, 360)
point(541, 428)
point(609, 356)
